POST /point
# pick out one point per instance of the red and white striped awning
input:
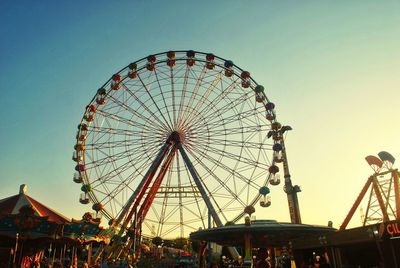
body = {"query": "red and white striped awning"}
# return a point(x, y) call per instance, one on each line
point(12, 205)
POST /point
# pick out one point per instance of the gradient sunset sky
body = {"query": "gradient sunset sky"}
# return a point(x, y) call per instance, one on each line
point(331, 67)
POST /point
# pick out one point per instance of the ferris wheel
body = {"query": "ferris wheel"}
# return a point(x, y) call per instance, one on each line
point(175, 137)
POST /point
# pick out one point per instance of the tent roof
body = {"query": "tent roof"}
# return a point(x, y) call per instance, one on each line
point(263, 233)
point(12, 205)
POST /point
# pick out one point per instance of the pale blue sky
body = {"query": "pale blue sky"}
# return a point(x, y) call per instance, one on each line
point(331, 67)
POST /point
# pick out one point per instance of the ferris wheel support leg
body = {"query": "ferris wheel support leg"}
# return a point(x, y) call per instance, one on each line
point(139, 191)
point(151, 170)
point(204, 195)
point(154, 188)
point(199, 185)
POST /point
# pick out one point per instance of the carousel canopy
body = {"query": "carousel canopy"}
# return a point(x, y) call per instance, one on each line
point(12, 205)
point(264, 233)
point(24, 216)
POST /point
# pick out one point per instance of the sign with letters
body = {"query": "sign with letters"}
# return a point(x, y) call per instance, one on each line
point(391, 230)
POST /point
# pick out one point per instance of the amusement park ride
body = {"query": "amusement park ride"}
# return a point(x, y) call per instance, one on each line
point(380, 192)
point(174, 138)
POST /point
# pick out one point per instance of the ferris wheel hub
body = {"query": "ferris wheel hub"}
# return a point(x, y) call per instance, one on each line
point(174, 137)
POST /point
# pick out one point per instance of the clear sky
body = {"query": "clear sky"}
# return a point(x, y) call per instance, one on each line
point(331, 67)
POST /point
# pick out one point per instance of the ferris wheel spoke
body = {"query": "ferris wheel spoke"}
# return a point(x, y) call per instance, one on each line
point(108, 197)
point(225, 122)
point(163, 99)
point(111, 174)
point(194, 93)
point(216, 132)
point(250, 138)
point(229, 170)
point(107, 159)
point(139, 115)
point(249, 117)
point(109, 191)
point(233, 143)
point(108, 145)
point(203, 98)
point(166, 123)
point(183, 95)
point(249, 157)
point(108, 172)
point(161, 125)
point(226, 105)
point(113, 131)
point(118, 144)
point(136, 195)
point(213, 105)
point(99, 193)
point(135, 124)
point(247, 162)
point(247, 144)
point(173, 97)
point(115, 109)
point(108, 177)
point(229, 110)
point(222, 184)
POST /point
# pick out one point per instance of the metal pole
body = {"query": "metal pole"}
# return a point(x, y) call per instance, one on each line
point(199, 185)
point(333, 257)
point(395, 174)
point(208, 243)
point(21, 251)
point(211, 210)
point(134, 236)
point(140, 245)
point(154, 165)
point(16, 247)
point(89, 257)
point(394, 256)
point(54, 255)
point(291, 192)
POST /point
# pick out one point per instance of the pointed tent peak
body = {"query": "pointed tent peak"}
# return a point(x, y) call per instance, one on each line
point(12, 205)
point(23, 189)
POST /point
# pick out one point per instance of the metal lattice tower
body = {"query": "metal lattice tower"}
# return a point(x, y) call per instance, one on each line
point(380, 193)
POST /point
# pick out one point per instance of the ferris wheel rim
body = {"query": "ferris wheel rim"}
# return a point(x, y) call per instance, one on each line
point(92, 196)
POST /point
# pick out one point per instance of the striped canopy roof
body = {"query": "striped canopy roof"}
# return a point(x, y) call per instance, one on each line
point(12, 205)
